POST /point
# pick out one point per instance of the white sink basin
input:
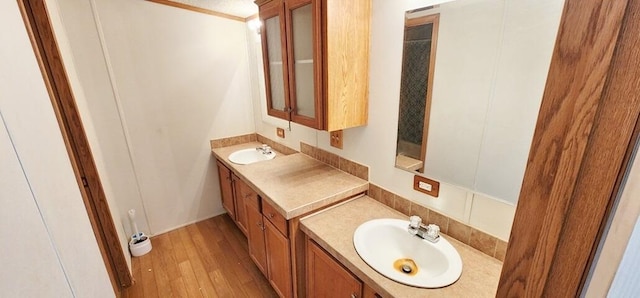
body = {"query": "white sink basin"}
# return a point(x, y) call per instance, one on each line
point(251, 155)
point(386, 245)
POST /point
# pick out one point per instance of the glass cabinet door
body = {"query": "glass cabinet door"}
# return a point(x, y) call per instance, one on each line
point(303, 50)
point(275, 65)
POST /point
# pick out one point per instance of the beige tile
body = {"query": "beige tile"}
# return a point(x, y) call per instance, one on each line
point(308, 149)
point(347, 165)
point(402, 205)
point(387, 197)
point(440, 220)
point(328, 158)
point(483, 242)
point(501, 250)
point(419, 210)
point(231, 141)
point(459, 231)
point(362, 172)
point(375, 192)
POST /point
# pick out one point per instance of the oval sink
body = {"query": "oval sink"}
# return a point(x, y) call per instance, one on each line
point(251, 155)
point(386, 246)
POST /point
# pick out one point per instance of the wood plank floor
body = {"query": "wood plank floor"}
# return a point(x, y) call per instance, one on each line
point(206, 259)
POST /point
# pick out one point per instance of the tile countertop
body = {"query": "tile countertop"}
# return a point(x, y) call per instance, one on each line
point(294, 184)
point(333, 229)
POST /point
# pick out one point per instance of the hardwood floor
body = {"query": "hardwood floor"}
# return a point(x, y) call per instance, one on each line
point(206, 259)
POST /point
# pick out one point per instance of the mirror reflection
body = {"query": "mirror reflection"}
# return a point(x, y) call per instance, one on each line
point(418, 56)
point(467, 113)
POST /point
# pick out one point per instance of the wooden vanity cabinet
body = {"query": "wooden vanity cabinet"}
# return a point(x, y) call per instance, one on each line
point(256, 235)
point(234, 194)
point(243, 194)
point(278, 260)
point(268, 247)
point(226, 189)
point(316, 71)
point(326, 277)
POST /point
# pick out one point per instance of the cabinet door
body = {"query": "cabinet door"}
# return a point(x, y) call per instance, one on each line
point(305, 69)
point(226, 189)
point(327, 278)
point(255, 229)
point(275, 59)
point(278, 260)
point(243, 194)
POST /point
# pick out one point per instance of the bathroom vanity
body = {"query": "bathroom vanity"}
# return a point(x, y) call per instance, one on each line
point(267, 199)
point(300, 214)
point(331, 231)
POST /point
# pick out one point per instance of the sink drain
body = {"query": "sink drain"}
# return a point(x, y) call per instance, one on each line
point(406, 266)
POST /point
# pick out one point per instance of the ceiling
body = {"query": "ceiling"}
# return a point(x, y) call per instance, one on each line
point(239, 8)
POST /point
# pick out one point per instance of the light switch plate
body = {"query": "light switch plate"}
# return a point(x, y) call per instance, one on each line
point(426, 185)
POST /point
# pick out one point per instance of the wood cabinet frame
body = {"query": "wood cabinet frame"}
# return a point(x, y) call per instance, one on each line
point(341, 62)
point(268, 10)
point(318, 121)
point(586, 133)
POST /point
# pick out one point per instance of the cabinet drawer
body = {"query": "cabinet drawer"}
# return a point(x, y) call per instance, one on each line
point(274, 217)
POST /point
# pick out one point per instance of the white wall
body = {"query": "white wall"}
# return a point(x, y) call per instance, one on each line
point(374, 144)
point(159, 83)
point(99, 113)
point(48, 247)
point(626, 282)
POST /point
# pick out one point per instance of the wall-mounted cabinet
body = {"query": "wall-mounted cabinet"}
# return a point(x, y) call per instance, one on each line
point(316, 61)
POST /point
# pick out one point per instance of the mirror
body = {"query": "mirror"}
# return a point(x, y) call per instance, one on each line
point(471, 122)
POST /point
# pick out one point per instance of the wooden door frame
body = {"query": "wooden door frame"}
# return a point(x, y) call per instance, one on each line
point(584, 138)
point(39, 28)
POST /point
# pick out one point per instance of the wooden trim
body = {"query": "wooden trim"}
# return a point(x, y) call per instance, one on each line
point(423, 20)
point(432, 69)
point(201, 10)
point(46, 49)
point(578, 155)
point(435, 20)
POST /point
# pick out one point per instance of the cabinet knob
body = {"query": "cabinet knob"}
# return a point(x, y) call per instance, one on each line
point(271, 215)
point(261, 226)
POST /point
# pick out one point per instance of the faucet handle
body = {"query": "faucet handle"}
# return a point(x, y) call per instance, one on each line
point(433, 231)
point(415, 221)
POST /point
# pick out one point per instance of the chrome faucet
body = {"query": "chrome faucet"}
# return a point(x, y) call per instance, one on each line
point(429, 232)
point(265, 149)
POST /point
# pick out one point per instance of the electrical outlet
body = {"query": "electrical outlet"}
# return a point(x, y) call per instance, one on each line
point(336, 139)
point(280, 132)
point(426, 185)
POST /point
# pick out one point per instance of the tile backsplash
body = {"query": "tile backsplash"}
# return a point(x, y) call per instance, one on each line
point(230, 141)
point(466, 234)
point(336, 161)
point(253, 137)
point(477, 239)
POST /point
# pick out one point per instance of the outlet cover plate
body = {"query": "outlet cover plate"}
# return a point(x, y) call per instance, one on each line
point(280, 132)
point(419, 181)
point(336, 139)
